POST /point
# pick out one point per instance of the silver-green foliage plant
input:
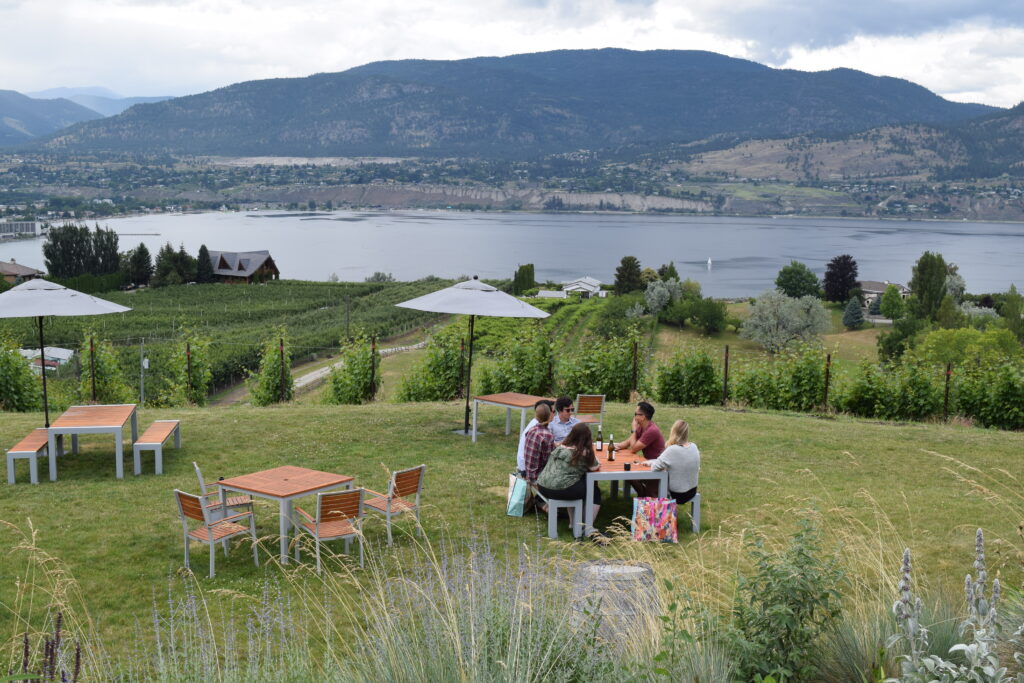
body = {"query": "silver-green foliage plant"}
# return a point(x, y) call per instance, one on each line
point(19, 388)
point(979, 632)
point(658, 295)
point(690, 378)
point(439, 376)
point(273, 382)
point(99, 362)
point(526, 365)
point(356, 378)
point(777, 320)
point(189, 371)
point(782, 611)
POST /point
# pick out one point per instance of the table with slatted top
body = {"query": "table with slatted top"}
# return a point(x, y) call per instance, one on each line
point(616, 471)
point(284, 484)
point(92, 420)
point(507, 400)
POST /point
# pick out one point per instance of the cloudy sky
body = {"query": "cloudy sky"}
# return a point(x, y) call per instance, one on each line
point(965, 50)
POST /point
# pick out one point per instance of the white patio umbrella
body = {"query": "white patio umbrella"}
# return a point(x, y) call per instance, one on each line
point(40, 298)
point(473, 298)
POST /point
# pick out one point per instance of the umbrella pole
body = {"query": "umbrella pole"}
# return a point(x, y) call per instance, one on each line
point(469, 372)
point(42, 371)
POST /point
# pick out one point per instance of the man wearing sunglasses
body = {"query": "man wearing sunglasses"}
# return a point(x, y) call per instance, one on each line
point(647, 439)
point(564, 420)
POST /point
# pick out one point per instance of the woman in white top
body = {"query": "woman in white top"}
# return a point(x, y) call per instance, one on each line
point(682, 460)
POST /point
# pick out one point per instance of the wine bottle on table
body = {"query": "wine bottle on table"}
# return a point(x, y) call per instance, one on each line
point(600, 440)
point(611, 448)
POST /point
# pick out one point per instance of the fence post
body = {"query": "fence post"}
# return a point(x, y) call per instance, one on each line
point(188, 366)
point(945, 400)
point(281, 351)
point(462, 366)
point(828, 375)
point(633, 387)
point(92, 366)
point(348, 301)
point(725, 377)
point(142, 371)
point(373, 367)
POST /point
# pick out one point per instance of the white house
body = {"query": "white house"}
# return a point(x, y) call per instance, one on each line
point(586, 286)
point(551, 294)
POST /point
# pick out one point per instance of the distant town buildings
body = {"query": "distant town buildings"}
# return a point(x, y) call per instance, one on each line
point(11, 229)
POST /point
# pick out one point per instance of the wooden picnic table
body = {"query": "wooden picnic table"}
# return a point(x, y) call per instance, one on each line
point(284, 484)
point(616, 471)
point(508, 400)
point(98, 419)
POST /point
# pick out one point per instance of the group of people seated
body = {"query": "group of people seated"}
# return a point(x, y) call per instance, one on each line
point(556, 450)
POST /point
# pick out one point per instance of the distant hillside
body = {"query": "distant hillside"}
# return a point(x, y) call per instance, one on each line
point(517, 106)
point(979, 148)
point(23, 118)
point(100, 100)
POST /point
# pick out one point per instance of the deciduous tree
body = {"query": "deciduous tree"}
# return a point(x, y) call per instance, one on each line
point(928, 285)
point(893, 306)
point(797, 280)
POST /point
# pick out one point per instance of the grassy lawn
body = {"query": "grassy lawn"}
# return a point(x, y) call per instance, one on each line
point(872, 485)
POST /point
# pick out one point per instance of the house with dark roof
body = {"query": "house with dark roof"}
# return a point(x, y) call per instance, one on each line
point(11, 271)
point(243, 266)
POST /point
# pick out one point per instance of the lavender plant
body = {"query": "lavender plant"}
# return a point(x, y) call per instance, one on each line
point(979, 632)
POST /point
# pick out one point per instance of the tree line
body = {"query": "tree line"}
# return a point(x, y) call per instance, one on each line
point(90, 259)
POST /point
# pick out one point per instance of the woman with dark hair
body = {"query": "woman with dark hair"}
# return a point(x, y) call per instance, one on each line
point(565, 475)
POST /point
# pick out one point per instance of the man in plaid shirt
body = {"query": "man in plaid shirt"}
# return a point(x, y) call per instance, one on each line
point(539, 443)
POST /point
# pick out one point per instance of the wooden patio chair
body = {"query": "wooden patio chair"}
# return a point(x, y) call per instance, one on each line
point(234, 503)
point(212, 531)
point(403, 495)
point(590, 409)
point(338, 516)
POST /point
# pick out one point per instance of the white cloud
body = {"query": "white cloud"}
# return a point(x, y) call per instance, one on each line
point(156, 47)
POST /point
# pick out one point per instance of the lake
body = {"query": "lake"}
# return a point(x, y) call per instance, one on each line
point(746, 253)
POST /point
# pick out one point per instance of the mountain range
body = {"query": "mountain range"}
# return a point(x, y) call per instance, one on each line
point(26, 116)
point(520, 106)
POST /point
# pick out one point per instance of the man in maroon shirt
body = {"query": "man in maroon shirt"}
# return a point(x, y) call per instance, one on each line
point(647, 439)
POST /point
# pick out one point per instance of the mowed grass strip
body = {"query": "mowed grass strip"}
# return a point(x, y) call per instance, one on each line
point(121, 539)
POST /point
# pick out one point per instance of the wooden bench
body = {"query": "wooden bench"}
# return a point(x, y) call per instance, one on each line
point(153, 439)
point(31, 447)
